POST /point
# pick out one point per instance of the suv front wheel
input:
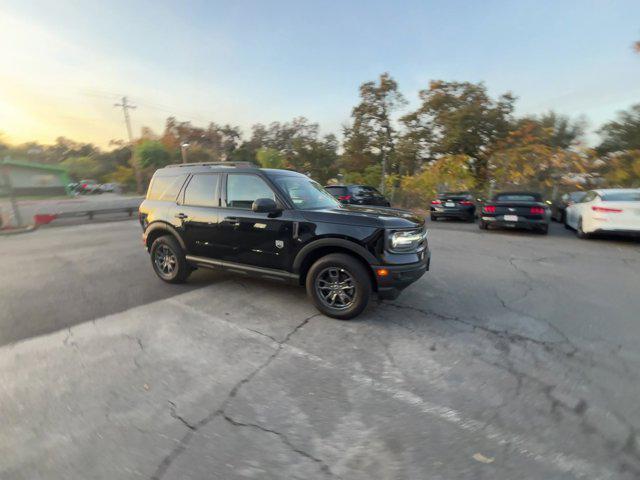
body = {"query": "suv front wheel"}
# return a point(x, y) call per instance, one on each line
point(167, 258)
point(339, 286)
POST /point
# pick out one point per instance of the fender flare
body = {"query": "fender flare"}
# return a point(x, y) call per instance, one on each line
point(332, 242)
point(160, 225)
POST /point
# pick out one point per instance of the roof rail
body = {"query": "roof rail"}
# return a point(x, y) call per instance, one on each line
point(214, 164)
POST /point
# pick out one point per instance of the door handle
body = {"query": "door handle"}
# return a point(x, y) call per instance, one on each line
point(182, 216)
point(235, 221)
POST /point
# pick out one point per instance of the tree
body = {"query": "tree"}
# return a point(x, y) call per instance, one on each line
point(460, 118)
point(215, 143)
point(622, 133)
point(449, 172)
point(622, 169)
point(372, 137)
point(529, 157)
point(269, 158)
point(151, 154)
point(82, 167)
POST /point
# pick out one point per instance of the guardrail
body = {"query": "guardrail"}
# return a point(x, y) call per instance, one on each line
point(45, 218)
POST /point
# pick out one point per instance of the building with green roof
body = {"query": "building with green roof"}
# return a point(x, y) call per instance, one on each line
point(28, 178)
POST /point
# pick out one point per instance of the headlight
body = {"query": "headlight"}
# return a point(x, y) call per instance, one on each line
point(406, 241)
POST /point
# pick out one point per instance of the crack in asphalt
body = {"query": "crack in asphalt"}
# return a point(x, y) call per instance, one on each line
point(505, 334)
point(324, 468)
point(221, 410)
point(630, 445)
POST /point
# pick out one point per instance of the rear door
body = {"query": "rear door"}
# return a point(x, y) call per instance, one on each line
point(197, 214)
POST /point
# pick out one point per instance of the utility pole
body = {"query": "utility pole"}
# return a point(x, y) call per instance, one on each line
point(15, 210)
point(127, 120)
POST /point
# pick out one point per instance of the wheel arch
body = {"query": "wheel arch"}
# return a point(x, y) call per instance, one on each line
point(319, 248)
point(158, 229)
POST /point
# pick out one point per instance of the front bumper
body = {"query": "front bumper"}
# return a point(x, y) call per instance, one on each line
point(400, 277)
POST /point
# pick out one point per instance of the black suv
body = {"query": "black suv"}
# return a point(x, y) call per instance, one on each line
point(358, 195)
point(280, 225)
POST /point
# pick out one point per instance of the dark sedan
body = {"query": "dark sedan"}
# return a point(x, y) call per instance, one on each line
point(358, 195)
point(516, 210)
point(459, 205)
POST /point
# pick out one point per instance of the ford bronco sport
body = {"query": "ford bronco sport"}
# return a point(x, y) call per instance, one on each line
point(283, 226)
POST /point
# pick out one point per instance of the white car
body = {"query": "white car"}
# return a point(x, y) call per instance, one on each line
point(613, 210)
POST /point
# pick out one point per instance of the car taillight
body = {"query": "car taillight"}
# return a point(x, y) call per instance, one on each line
point(344, 198)
point(606, 210)
point(85, 185)
point(537, 211)
point(435, 202)
point(489, 209)
point(466, 203)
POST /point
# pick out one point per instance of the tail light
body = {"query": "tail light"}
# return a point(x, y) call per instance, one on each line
point(606, 210)
point(489, 209)
point(344, 198)
point(435, 202)
point(466, 203)
point(537, 211)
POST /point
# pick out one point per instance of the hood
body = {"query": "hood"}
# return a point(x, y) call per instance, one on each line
point(366, 216)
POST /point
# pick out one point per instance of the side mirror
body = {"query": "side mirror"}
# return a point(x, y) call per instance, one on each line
point(265, 205)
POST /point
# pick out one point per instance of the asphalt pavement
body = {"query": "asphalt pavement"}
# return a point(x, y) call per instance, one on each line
point(517, 355)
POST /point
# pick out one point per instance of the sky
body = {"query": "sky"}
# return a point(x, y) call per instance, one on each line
point(63, 64)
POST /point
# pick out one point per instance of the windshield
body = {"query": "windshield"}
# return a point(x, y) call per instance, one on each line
point(306, 194)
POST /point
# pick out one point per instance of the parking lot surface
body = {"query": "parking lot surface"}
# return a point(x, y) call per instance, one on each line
point(517, 355)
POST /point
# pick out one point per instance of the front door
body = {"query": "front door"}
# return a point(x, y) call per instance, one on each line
point(253, 238)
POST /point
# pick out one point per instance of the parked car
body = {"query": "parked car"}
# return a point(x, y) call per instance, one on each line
point(458, 205)
point(559, 207)
point(516, 210)
point(614, 210)
point(110, 188)
point(282, 226)
point(88, 187)
point(358, 195)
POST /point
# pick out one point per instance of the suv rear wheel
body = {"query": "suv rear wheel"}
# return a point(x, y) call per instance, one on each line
point(167, 258)
point(339, 286)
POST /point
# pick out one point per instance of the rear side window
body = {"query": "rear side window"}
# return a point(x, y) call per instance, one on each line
point(517, 198)
point(621, 197)
point(202, 190)
point(336, 191)
point(165, 187)
point(243, 190)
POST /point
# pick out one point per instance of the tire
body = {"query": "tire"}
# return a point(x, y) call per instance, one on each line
point(434, 218)
point(339, 266)
point(544, 230)
point(579, 232)
point(482, 225)
point(170, 271)
point(388, 205)
point(471, 219)
point(566, 225)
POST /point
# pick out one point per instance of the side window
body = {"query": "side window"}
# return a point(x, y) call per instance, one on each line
point(165, 188)
point(242, 190)
point(589, 197)
point(202, 190)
